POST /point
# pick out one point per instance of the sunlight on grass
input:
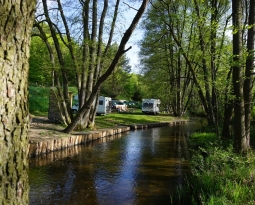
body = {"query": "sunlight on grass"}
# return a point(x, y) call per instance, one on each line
point(114, 119)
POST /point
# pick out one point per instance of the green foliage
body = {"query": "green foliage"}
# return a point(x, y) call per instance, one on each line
point(38, 100)
point(253, 113)
point(202, 139)
point(218, 175)
point(73, 90)
point(184, 43)
point(122, 85)
point(137, 96)
point(40, 68)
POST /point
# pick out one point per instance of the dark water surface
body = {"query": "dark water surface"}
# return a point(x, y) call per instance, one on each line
point(136, 168)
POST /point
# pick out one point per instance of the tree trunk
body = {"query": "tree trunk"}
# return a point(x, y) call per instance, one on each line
point(100, 41)
point(226, 130)
point(85, 52)
point(228, 110)
point(64, 97)
point(213, 37)
point(207, 86)
point(248, 82)
point(228, 104)
point(240, 143)
point(15, 32)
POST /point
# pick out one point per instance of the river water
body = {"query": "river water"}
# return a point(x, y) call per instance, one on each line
point(135, 168)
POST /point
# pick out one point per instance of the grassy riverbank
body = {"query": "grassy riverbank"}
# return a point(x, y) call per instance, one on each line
point(136, 117)
point(218, 175)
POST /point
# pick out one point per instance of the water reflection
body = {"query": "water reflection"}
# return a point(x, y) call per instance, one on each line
point(139, 167)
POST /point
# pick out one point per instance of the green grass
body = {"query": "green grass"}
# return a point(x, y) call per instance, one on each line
point(38, 100)
point(218, 175)
point(201, 139)
point(137, 117)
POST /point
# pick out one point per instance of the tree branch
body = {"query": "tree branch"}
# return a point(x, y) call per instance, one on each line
point(130, 6)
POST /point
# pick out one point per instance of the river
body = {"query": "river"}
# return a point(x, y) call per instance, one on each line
point(136, 168)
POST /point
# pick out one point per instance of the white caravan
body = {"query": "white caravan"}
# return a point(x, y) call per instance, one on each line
point(104, 105)
point(150, 106)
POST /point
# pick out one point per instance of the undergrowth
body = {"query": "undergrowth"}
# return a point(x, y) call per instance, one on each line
point(217, 175)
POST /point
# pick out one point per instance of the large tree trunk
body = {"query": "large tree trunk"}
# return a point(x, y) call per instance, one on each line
point(248, 82)
point(213, 37)
point(15, 27)
point(89, 68)
point(240, 143)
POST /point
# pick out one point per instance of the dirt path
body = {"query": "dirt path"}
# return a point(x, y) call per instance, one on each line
point(41, 127)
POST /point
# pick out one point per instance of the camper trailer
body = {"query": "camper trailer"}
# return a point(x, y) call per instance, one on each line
point(150, 106)
point(104, 105)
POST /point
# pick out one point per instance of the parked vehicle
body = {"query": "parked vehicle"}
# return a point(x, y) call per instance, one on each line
point(119, 106)
point(104, 106)
point(150, 106)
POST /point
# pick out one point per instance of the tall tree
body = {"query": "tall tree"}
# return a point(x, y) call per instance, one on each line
point(87, 24)
point(121, 50)
point(64, 97)
point(242, 78)
point(192, 34)
point(249, 67)
point(238, 76)
point(15, 31)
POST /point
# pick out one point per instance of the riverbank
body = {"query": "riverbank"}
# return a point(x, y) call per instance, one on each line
point(218, 175)
point(46, 137)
